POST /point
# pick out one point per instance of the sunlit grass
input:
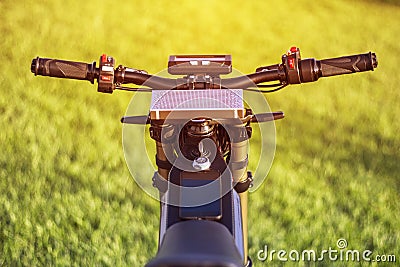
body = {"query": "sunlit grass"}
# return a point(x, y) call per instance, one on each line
point(66, 196)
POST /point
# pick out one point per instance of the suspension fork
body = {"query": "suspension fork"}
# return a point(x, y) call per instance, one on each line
point(164, 137)
point(238, 161)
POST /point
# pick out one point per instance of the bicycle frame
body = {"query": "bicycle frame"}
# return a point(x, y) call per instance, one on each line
point(201, 130)
point(228, 206)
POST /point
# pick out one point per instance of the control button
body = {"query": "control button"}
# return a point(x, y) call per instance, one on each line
point(104, 58)
point(105, 78)
point(293, 49)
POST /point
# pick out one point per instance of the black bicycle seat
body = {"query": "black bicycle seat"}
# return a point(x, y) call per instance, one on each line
point(197, 243)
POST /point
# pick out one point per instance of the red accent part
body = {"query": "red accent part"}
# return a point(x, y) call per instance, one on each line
point(105, 78)
point(104, 58)
point(291, 63)
point(293, 49)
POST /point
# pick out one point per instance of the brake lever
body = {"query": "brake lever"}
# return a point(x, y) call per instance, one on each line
point(269, 116)
point(142, 120)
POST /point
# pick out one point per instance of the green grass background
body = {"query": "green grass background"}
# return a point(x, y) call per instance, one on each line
point(66, 196)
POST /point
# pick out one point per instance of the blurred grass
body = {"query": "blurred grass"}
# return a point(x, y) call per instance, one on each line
point(66, 196)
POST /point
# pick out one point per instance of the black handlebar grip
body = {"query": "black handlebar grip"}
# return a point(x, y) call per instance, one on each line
point(63, 69)
point(348, 64)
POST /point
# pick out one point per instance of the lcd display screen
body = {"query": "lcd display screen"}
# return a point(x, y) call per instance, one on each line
point(196, 64)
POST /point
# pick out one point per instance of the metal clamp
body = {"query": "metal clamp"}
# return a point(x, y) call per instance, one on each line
point(160, 183)
point(243, 186)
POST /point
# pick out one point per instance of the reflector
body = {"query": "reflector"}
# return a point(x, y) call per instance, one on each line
point(189, 104)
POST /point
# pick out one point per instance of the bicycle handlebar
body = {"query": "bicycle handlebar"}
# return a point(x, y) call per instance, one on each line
point(293, 70)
